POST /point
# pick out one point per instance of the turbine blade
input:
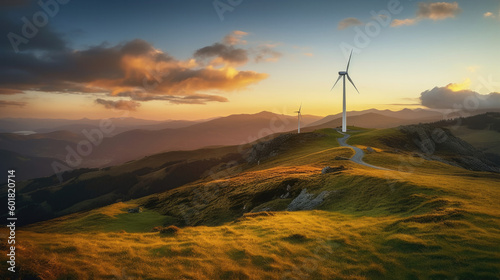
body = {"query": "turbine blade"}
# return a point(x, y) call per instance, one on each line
point(300, 107)
point(349, 62)
point(340, 76)
point(352, 83)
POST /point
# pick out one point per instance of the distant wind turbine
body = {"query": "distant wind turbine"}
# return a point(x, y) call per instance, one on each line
point(343, 74)
point(299, 116)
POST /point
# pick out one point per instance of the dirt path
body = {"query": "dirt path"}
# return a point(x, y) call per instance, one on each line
point(359, 154)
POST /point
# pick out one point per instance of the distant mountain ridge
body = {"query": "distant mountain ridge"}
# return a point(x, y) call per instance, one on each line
point(416, 115)
point(131, 144)
point(8, 125)
point(136, 143)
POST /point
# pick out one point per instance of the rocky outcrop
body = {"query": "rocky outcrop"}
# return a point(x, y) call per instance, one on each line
point(135, 210)
point(306, 201)
point(329, 169)
point(266, 149)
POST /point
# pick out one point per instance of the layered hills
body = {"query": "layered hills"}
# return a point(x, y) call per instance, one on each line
point(269, 212)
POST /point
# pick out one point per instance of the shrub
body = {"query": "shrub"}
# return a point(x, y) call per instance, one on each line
point(170, 230)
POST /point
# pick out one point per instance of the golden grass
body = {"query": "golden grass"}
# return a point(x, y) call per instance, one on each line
point(310, 244)
point(422, 220)
point(254, 248)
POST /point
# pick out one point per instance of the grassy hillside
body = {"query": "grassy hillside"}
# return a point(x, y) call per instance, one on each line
point(84, 189)
point(486, 140)
point(423, 220)
point(429, 142)
point(482, 131)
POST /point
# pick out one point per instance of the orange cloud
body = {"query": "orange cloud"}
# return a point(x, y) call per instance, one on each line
point(435, 11)
point(438, 10)
point(401, 22)
point(120, 104)
point(348, 22)
point(140, 72)
point(235, 38)
point(10, 91)
point(4, 103)
point(489, 14)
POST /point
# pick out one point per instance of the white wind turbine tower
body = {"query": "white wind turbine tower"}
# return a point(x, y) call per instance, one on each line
point(299, 116)
point(343, 74)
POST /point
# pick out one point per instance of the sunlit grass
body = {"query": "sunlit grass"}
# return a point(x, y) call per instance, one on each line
point(311, 244)
point(110, 218)
point(422, 220)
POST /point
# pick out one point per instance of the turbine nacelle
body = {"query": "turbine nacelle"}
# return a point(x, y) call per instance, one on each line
point(345, 74)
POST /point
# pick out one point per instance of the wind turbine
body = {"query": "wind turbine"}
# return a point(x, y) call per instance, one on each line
point(299, 115)
point(343, 74)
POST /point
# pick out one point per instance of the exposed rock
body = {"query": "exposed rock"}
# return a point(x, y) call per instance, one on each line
point(135, 210)
point(285, 195)
point(306, 201)
point(370, 150)
point(266, 149)
point(329, 169)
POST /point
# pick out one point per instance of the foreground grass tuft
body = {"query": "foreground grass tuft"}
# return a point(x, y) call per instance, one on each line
point(170, 230)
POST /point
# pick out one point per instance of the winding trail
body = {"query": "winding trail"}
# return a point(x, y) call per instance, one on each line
point(358, 153)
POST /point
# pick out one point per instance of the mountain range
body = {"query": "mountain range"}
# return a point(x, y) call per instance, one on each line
point(11, 125)
point(141, 138)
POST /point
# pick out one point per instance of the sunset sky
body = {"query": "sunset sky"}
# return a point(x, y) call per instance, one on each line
point(200, 59)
